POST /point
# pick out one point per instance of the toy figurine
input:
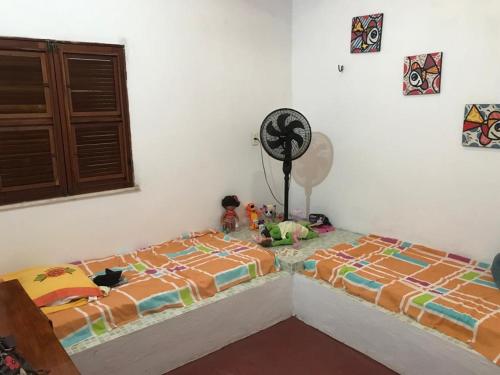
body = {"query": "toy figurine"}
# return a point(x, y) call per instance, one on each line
point(320, 223)
point(253, 215)
point(285, 233)
point(230, 219)
point(269, 211)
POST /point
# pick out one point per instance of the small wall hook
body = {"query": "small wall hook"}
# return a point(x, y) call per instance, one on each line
point(341, 68)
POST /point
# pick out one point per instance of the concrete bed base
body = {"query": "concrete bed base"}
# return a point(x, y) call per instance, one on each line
point(186, 337)
point(398, 344)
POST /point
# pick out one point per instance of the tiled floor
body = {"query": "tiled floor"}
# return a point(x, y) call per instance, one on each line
point(290, 348)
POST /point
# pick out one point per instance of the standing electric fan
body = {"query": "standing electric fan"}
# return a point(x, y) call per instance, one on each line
point(285, 134)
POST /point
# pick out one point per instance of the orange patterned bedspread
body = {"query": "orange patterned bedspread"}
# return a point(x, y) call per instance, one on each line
point(450, 293)
point(173, 274)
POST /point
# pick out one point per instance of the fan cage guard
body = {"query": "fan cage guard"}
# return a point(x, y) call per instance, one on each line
point(267, 139)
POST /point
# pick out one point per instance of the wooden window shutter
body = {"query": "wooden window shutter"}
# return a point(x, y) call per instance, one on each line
point(94, 111)
point(31, 153)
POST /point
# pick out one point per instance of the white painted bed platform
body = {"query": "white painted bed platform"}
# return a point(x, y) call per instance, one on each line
point(183, 336)
point(180, 339)
point(391, 339)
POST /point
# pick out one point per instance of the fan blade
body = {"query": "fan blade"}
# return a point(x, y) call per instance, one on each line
point(297, 138)
point(275, 144)
point(271, 130)
point(294, 125)
point(281, 121)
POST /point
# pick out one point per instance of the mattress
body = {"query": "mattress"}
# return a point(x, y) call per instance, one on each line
point(172, 274)
point(452, 294)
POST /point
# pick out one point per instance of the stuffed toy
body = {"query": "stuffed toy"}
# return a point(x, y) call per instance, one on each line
point(269, 212)
point(253, 215)
point(230, 219)
point(285, 233)
point(317, 220)
point(110, 278)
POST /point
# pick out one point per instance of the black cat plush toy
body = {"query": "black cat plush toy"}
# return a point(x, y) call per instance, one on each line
point(109, 279)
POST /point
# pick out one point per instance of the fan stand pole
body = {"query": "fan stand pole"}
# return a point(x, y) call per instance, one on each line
point(287, 169)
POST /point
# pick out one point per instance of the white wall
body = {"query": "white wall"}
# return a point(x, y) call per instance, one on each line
point(201, 77)
point(399, 166)
point(203, 74)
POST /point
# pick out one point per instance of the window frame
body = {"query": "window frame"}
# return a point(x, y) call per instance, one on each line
point(63, 122)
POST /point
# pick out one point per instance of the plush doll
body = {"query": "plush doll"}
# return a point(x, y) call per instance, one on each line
point(285, 233)
point(269, 211)
point(253, 215)
point(110, 278)
point(230, 219)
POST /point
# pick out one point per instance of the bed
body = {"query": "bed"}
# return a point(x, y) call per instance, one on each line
point(176, 273)
point(452, 294)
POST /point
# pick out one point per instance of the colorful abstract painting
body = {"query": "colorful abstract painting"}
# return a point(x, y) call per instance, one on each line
point(481, 125)
point(366, 33)
point(422, 74)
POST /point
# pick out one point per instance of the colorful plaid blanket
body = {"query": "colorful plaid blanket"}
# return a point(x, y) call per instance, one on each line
point(173, 274)
point(450, 293)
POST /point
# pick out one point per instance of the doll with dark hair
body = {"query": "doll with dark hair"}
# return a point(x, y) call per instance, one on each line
point(230, 219)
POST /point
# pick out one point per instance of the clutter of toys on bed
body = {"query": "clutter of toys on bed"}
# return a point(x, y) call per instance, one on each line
point(271, 229)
